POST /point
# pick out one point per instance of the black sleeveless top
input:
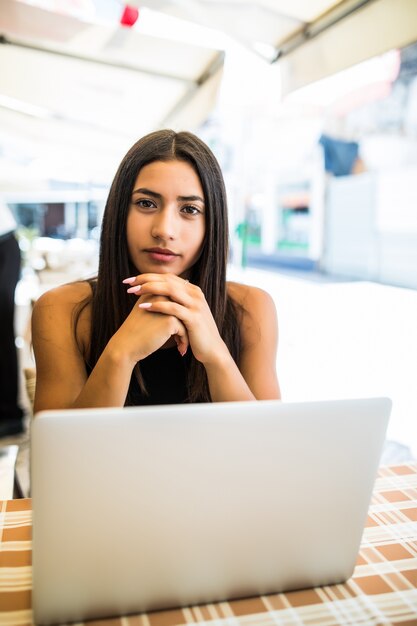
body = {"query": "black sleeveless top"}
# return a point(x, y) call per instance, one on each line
point(164, 373)
point(165, 376)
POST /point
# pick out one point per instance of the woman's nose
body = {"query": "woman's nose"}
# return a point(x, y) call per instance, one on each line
point(164, 225)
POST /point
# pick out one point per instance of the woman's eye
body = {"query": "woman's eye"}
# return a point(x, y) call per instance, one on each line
point(145, 204)
point(190, 210)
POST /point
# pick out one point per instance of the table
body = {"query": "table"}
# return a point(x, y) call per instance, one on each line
point(382, 591)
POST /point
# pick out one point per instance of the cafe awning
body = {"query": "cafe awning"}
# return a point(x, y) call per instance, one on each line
point(88, 88)
point(310, 39)
point(91, 89)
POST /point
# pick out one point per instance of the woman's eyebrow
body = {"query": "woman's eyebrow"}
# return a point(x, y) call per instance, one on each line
point(155, 194)
point(190, 199)
point(147, 192)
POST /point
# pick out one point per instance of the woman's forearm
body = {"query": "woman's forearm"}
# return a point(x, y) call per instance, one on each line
point(108, 383)
point(226, 383)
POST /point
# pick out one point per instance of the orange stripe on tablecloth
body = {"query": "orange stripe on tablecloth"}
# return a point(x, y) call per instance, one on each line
point(394, 496)
point(403, 469)
point(274, 602)
point(373, 585)
point(203, 611)
point(16, 558)
point(303, 597)
point(336, 607)
point(16, 600)
point(224, 610)
point(247, 606)
point(388, 518)
point(409, 622)
point(394, 552)
point(411, 575)
point(172, 617)
point(340, 592)
point(370, 555)
point(188, 615)
point(17, 533)
point(214, 611)
point(200, 613)
point(410, 513)
point(397, 581)
point(377, 556)
point(21, 504)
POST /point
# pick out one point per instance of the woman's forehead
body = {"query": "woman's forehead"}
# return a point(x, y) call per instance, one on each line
point(173, 175)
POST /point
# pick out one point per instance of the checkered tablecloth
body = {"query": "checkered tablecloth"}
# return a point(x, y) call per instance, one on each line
point(382, 591)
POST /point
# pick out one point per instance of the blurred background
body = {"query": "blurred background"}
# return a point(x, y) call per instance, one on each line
point(311, 109)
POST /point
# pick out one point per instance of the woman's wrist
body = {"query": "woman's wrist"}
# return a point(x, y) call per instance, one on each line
point(225, 380)
point(118, 358)
point(219, 359)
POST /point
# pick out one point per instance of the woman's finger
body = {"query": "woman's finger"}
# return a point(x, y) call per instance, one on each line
point(177, 291)
point(182, 345)
point(140, 279)
point(181, 338)
point(167, 307)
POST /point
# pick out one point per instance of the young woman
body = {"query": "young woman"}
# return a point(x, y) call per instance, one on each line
point(160, 324)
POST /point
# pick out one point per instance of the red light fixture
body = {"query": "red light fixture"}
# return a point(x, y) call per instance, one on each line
point(129, 16)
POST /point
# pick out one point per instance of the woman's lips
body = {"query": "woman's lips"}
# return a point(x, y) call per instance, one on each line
point(161, 256)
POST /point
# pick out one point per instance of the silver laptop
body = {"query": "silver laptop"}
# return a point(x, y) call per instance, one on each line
point(154, 507)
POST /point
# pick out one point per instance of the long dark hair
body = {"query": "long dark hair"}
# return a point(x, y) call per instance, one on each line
point(110, 302)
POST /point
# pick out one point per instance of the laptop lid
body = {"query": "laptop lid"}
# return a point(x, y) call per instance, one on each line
point(153, 507)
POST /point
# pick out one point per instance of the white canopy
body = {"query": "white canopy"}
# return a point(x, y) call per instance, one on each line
point(310, 39)
point(90, 89)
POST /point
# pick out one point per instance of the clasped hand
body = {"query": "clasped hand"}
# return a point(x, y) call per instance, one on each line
point(169, 306)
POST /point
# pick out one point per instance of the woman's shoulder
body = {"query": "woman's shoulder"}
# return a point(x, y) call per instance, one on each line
point(60, 311)
point(63, 305)
point(68, 295)
point(258, 316)
point(248, 296)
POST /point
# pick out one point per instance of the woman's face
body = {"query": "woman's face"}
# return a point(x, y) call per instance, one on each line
point(166, 219)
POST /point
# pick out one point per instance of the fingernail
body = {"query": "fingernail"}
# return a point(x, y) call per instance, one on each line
point(134, 289)
point(129, 281)
point(145, 305)
point(183, 352)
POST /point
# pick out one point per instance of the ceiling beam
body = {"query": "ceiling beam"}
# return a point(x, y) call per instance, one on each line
point(5, 40)
point(323, 23)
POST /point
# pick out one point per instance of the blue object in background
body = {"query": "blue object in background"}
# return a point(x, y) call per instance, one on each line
point(339, 155)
